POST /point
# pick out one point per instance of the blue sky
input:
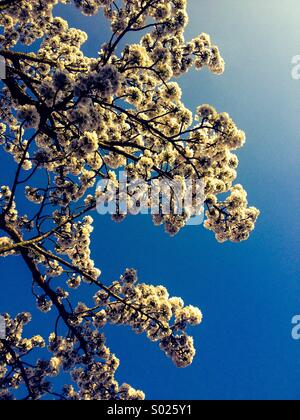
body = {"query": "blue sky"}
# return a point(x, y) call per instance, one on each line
point(247, 292)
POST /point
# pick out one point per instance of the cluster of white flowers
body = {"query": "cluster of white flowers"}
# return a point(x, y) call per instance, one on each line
point(156, 319)
point(13, 375)
point(29, 116)
point(237, 221)
point(74, 241)
point(104, 82)
point(180, 349)
point(91, 7)
point(34, 195)
point(94, 132)
point(4, 242)
point(86, 144)
point(2, 133)
point(94, 380)
point(8, 205)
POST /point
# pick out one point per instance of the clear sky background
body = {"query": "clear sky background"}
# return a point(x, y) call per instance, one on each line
point(247, 292)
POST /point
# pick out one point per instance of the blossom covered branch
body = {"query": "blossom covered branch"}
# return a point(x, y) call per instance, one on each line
point(69, 121)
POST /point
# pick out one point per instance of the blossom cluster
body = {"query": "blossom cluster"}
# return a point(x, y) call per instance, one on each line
point(93, 130)
point(163, 319)
point(94, 380)
point(84, 354)
point(237, 222)
point(8, 205)
point(12, 350)
point(74, 241)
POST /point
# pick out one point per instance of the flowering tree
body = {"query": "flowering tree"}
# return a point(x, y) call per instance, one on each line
point(74, 120)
